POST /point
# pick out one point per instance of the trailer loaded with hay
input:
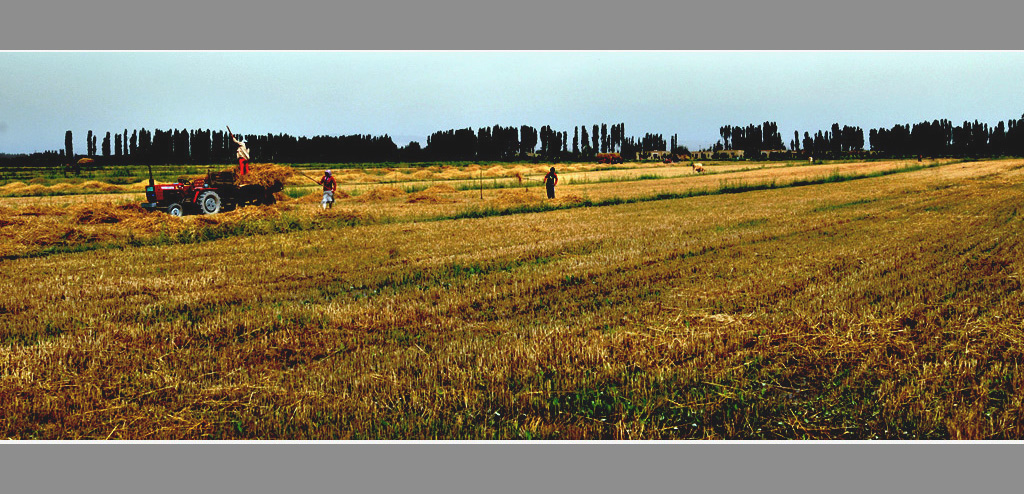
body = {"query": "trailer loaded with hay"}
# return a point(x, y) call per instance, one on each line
point(216, 192)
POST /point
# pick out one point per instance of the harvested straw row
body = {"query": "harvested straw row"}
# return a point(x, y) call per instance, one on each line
point(91, 214)
point(383, 193)
point(23, 189)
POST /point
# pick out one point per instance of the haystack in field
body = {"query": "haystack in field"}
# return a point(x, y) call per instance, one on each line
point(345, 214)
point(569, 199)
point(93, 214)
point(523, 171)
point(435, 194)
point(441, 189)
point(498, 171)
point(316, 196)
point(12, 186)
point(250, 213)
point(429, 197)
point(22, 189)
point(312, 197)
point(93, 185)
point(104, 212)
point(383, 193)
point(450, 173)
point(45, 233)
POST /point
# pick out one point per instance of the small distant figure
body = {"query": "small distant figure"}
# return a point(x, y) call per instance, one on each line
point(698, 168)
point(242, 153)
point(550, 181)
point(327, 181)
point(919, 158)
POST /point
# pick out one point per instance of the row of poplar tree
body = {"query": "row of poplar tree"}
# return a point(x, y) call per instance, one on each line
point(509, 143)
point(202, 146)
point(757, 139)
point(935, 138)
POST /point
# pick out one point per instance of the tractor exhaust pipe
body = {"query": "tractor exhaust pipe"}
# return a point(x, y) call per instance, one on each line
point(151, 183)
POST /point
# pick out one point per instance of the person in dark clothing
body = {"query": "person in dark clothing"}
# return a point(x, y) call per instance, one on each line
point(550, 180)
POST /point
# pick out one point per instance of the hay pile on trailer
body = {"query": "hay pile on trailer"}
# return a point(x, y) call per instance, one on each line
point(266, 175)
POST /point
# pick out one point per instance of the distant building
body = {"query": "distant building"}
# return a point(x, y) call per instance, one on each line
point(768, 153)
point(721, 154)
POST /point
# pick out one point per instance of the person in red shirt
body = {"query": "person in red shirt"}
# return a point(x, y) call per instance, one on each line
point(327, 181)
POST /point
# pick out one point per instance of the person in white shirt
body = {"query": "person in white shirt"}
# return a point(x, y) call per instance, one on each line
point(330, 185)
point(242, 153)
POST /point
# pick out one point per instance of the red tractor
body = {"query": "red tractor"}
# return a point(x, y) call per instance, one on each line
point(207, 195)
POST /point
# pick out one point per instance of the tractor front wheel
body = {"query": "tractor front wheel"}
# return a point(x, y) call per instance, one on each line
point(175, 210)
point(209, 202)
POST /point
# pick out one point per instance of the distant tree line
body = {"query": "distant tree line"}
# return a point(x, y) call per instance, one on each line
point(942, 138)
point(500, 143)
point(834, 143)
point(752, 139)
point(496, 143)
point(938, 138)
point(204, 146)
point(509, 143)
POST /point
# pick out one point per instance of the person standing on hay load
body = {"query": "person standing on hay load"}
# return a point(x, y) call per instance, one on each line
point(327, 181)
point(242, 153)
point(550, 180)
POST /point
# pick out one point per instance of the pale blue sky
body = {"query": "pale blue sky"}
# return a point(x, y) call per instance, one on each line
point(409, 94)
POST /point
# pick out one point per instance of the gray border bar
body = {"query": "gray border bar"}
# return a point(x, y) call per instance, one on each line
point(524, 24)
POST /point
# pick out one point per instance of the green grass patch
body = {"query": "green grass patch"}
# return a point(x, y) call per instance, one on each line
point(297, 192)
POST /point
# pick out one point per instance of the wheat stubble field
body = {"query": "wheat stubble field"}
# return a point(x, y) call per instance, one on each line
point(864, 300)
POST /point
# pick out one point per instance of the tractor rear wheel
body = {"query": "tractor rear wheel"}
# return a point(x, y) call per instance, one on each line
point(209, 202)
point(175, 210)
